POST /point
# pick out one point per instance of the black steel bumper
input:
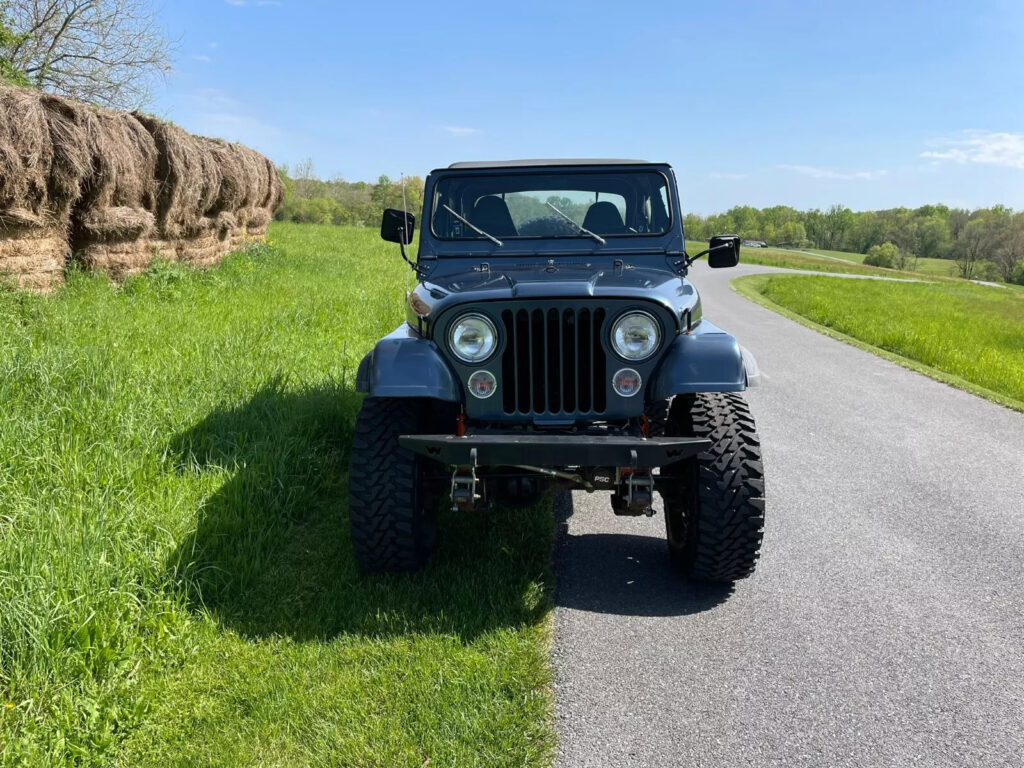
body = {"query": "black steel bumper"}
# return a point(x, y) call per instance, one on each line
point(554, 450)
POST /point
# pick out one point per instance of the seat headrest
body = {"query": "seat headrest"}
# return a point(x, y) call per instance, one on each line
point(603, 218)
point(491, 214)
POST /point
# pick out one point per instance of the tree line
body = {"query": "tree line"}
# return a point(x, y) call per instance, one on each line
point(986, 242)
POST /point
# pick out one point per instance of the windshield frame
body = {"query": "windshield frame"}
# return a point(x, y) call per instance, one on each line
point(671, 200)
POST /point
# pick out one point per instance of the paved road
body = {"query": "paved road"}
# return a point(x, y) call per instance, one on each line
point(885, 623)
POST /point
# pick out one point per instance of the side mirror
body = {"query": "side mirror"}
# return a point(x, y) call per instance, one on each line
point(397, 226)
point(724, 251)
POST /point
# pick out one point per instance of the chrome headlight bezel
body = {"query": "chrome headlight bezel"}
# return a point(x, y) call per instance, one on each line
point(624, 354)
point(489, 326)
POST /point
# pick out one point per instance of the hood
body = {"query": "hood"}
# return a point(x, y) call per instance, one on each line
point(575, 279)
point(571, 280)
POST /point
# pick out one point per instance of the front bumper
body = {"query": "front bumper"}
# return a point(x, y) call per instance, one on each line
point(554, 450)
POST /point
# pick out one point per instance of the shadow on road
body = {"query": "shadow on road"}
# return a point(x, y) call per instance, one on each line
point(623, 574)
point(270, 554)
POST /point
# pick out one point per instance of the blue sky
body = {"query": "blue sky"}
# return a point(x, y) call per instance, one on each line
point(870, 104)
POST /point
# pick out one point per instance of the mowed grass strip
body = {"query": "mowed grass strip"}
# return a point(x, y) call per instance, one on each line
point(176, 581)
point(967, 334)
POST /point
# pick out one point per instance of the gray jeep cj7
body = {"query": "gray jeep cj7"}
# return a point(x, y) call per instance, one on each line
point(554, 341)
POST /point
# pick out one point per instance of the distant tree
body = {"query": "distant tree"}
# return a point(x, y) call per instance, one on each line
point(695, 227)
point(974, 244)
point(791, 233)
point(884, 255)
point(933, 237)
point(1008, 245)
point(837, 220)
point(103, 51)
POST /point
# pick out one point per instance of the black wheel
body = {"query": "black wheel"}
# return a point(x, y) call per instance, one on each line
point(393, 499)
point(714, 502)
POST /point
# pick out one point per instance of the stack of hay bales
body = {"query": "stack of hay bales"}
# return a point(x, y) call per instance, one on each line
point(112, 223)
point(35, 204)
point(116, 190)
point(189, 179)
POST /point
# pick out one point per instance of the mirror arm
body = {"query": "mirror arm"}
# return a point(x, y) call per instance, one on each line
point(401, 247)
point(684, 265)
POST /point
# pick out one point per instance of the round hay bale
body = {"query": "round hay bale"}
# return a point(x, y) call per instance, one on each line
point(72, 159)
point(184, 178)
point(232, 189)
point(124, 160)
point(26, 156)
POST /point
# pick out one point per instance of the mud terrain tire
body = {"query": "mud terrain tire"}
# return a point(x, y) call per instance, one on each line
point(714, 502)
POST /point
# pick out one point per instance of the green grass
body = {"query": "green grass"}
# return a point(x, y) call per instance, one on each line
point(787, 259)
point(176, 581)
point(941, 267)
point(968, 335)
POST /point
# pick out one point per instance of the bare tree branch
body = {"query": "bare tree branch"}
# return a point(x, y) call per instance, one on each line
point(105, 51)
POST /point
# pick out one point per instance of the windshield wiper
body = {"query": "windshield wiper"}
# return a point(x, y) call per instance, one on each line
point(473, 226)
point(580, 227)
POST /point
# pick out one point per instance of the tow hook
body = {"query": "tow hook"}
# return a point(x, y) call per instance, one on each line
point(634, 491)
point(464, 486)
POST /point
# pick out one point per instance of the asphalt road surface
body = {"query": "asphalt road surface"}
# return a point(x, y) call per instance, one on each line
point(885, 623)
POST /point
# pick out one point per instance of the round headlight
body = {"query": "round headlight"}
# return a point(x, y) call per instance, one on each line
point(636, 335)
point(472, 338)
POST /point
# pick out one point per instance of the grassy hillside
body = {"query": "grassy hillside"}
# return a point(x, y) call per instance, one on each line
point(943, 267)
point(787, 259)
point(176, 581)
point(966, 334)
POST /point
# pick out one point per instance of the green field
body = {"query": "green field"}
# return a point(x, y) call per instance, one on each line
point(966, 334)
point(943, 267)
point(787, 259)
point(176, 581)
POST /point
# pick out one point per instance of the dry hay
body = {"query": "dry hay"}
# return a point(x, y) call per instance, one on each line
point(72, 160)
point(33, 258)
point(275, 190)
point(122, 188)
point(33, 211)
point(26, 154)
point(187, 176)
point(204, 250)
point(119, 196)
point(232, 190)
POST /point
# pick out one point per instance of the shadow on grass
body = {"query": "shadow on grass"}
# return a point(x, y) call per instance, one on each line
point(624, 574)
point(271, 552)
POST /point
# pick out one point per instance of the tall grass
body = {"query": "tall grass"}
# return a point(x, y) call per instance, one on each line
point(973, 332)
point(176, 583)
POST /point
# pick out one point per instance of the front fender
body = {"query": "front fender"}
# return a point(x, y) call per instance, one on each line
point(403, 364)
point(705, 360)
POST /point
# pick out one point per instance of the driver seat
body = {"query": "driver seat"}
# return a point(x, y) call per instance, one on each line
point(603, 218)
point(491, 214)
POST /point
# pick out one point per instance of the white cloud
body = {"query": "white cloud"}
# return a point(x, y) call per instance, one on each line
point(202, 57)
point(236, 3)
point(213, 46)
point(986, 147)
point(821, 172)
point(728, 176)
point(459, 130)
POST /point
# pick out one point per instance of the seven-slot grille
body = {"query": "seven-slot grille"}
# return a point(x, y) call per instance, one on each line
point(554, 361)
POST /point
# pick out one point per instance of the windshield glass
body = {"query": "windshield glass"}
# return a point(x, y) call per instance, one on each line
point(567, 204)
